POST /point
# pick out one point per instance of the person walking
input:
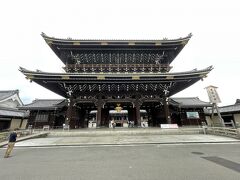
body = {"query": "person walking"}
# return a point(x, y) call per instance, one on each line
point(11, 143)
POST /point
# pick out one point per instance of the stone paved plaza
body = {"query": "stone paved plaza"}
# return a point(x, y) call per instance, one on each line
point(101, 154)
point(125, 139)
point(130, 162)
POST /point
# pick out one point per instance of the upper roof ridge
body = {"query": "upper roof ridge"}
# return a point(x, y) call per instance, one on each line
point(145, 40)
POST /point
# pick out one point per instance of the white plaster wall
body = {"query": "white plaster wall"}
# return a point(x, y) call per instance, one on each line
point(209, 121)
point(237, 119)
point(213, 121)
point(15, 123)
point(24, 124)
point(11, 102)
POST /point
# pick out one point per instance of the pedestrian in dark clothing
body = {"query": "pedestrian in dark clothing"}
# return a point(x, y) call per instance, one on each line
point(11, 143)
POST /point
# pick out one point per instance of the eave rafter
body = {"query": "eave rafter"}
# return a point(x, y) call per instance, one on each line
point(68, 84)
point(70, 50)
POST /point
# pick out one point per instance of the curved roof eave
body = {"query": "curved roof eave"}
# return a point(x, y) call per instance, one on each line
point(50, 104)
point(70, 40)
point(186, 73)
point(190, 102)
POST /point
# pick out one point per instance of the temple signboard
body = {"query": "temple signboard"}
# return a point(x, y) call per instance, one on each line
point(213, 95)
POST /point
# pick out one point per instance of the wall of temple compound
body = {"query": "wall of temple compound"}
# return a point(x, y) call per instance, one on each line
point(209, 121)
point(237, 119)
point(18, 123)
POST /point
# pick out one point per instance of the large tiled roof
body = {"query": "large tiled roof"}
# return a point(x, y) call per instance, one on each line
point(230, 108)
point(47, 104)
point(226, 109)
point(55, 81)
point(189, 102)
point(6, 94)
point(12, 112)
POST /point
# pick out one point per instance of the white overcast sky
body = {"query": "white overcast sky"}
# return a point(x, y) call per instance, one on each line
point(215, 25)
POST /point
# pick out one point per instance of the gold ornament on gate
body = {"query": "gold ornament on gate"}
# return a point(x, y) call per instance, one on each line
point(118, 108)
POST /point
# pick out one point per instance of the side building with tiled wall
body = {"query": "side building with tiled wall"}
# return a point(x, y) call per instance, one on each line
point(10, 116)
point(230, 113)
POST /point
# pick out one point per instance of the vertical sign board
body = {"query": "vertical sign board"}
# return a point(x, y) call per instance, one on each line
point(213, 95)
point(214, 99)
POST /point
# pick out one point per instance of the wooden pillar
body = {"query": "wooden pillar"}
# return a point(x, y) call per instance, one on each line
point(105, 117)
point(81, 118)
point(138, 115)
point(99, 115)
point(69, 111)
point(87, 111)
point(71, 114)
point(54, 117)
point(99, 105)
point(131, 114)
point(137, 105)
point(166, 110)
point(149, 114)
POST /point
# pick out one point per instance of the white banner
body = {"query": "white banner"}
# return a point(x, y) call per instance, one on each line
point(169, 126)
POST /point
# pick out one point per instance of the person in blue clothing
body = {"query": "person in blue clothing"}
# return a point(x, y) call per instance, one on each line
point(11, 143)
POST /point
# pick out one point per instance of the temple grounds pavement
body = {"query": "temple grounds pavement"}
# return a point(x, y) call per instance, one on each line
point(119, 136)
point(124, 154)
point(124, 140)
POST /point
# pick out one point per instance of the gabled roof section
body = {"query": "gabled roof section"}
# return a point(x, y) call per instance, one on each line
point(10, 98)
point(8, 93)
point(189, 102)
point(44, 104)
point(13, 112)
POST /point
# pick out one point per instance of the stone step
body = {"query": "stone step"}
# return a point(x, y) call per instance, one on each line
point(120, 131)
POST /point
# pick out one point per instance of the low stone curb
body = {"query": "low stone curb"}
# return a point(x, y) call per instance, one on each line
point(127, 144)
point(42, 134)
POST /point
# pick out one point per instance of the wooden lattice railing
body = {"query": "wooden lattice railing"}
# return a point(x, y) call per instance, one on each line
point(117, 68)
